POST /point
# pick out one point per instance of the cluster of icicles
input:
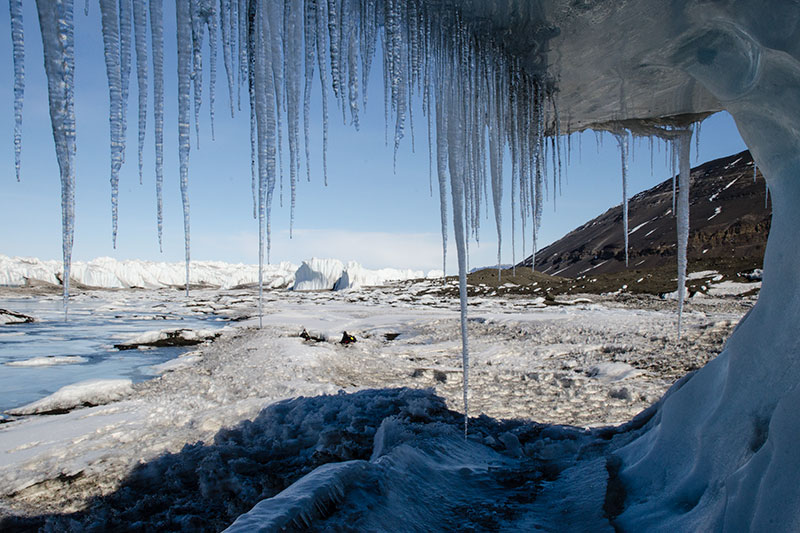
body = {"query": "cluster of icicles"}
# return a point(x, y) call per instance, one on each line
point(478, 101)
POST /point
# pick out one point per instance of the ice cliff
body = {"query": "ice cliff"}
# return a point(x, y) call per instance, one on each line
point(331, 274)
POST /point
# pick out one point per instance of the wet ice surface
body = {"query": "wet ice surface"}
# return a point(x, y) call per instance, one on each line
point(593, 363)
point(38, 358)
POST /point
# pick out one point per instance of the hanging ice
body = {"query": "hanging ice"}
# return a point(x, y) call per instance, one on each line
point(111, 50)
point(17, 38)
point(140, 40)
point(157, 36)
point(622, 140)
point(684, 141)
point(125, 28)
point(183, 18)
point(56, 24)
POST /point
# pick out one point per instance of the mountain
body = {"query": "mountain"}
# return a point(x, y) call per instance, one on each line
point(729, 221)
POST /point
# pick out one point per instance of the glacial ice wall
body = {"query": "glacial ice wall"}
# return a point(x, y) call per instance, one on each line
point(331, 274)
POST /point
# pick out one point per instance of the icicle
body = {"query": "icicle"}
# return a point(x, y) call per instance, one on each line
point(157, 38)
point(684, 140)
point(183, 16)
point(456, 143)
point(227, 20)
point(697, 140)
point(622, 140)
point(210, 17)
point(56, 25)
point(322, 23)
point(197, 36)
point(111, 45)
point(125, 29)
point(673, 166)
point(18, 40)
point(244, 25)
point(755, 170)
point(140, 40)
point(441, 170)
point(293, 70)
point(309, 42)
point(266, 111)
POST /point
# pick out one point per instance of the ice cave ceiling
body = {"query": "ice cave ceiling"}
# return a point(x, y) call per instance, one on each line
point(609, 61)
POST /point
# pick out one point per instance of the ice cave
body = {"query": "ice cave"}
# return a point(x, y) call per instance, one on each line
point(718, 451)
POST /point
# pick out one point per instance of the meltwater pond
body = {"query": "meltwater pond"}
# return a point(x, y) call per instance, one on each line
point(38, 358)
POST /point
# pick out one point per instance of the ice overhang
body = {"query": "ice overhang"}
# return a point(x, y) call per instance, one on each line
point(608, 62)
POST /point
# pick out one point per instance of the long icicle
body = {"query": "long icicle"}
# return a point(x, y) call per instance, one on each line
point(111, 48)
point(56, 25)
point(140, 40)
point(157, 37)
point(685, 142)
point(183, 17)
point(622, 140)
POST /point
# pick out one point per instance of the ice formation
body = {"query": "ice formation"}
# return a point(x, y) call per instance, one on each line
point(108, 273)
point(717, 448)
point(331, 274)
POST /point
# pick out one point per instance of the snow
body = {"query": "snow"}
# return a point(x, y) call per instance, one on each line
point(90, 392)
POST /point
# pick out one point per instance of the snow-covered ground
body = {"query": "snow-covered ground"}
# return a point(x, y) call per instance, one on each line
point(598, 362)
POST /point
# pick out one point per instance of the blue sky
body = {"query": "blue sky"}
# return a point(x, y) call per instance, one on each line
point(367, 213)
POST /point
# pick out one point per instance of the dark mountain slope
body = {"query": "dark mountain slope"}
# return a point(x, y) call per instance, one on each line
point(729, 223)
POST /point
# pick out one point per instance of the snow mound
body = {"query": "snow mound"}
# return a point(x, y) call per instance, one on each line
point(82, 394)
point(50, 360)
point(106, 272)
point(331, 274)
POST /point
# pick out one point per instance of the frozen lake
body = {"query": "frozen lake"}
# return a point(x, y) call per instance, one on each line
point(38, 358)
